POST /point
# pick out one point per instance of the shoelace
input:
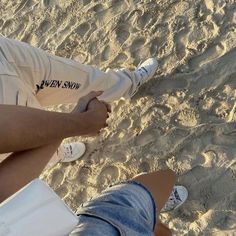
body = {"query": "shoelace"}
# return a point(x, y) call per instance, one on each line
point(173, 201)
point(142, 72)
point(67, 151)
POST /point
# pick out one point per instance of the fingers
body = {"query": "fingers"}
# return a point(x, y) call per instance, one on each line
point(85, 100)
point(89, 97)
point(93, 95)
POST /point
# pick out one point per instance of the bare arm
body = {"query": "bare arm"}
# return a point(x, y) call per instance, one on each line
point(21, 167)
point(24, 128)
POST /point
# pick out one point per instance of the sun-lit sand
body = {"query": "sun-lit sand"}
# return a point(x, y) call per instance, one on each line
point(183, 119)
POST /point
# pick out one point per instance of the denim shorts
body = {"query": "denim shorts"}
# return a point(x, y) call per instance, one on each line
point(125, 209)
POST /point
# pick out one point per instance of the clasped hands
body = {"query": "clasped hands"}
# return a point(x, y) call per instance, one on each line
point(96, 112)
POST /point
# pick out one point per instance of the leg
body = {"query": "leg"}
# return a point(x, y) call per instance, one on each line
point(162, 230)
point(59, 80)
point(160, 184)
point(20, 168)
point(128, 207)
point(69, 80)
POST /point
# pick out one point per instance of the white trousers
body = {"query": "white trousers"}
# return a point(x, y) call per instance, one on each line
point(31, 77)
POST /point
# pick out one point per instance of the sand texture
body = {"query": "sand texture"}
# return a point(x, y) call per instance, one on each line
point(183, 119)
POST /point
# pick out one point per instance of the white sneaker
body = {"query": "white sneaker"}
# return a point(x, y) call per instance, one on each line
point(145, 72)
point(72, 151)
point(178, 196)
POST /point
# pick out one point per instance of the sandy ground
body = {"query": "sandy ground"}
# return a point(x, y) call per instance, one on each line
point(183, 119)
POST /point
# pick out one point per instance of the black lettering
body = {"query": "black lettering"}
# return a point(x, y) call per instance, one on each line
point(77, 86)
point(73, 86)
point(59, 83)
point(65, 85)
point(53, 84)
point(42, 85)
point(47, 83)
point(70, 84)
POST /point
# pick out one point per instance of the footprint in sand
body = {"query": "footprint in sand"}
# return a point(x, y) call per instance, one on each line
point(155, 44)
point(82, 196)
point(7, 24)
point(57, 178)
point(86, 2)
point(106, 53)
point(181, 41)
point(121, 58)
point(83, 175)
point(119, 157)
point(23, 4)
point(144, 167)
point(143, 20)
point(97, 8)
point(47, 3)
point(62, 191)
point(125, 124)
point(82, 29)
point(137, 49)
point(44, 26)
point(145, 138)
point(170, 85)
point(122, 34)
point(137, 43)
point(213, 52)
point(162, 109)
point(108, 175)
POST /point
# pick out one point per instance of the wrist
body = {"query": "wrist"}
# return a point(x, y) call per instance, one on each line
point(79, 123)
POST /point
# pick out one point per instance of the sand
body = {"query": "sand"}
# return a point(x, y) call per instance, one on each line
point(183, 119)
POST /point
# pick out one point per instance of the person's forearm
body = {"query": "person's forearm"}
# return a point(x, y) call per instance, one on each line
point(23, 128)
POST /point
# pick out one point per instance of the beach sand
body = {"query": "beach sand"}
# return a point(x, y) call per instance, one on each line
point(183, 119)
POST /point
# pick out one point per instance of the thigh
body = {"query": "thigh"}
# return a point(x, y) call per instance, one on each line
point(69, 80)
point(29, 63)
point(65, 83)
point(14, 92)
point(93, 226)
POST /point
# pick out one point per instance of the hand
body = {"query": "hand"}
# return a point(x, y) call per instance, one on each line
point(98, 114)
point(95, 112)
point(84, 101)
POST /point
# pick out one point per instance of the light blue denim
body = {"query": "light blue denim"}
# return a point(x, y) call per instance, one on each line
point(125, 209)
